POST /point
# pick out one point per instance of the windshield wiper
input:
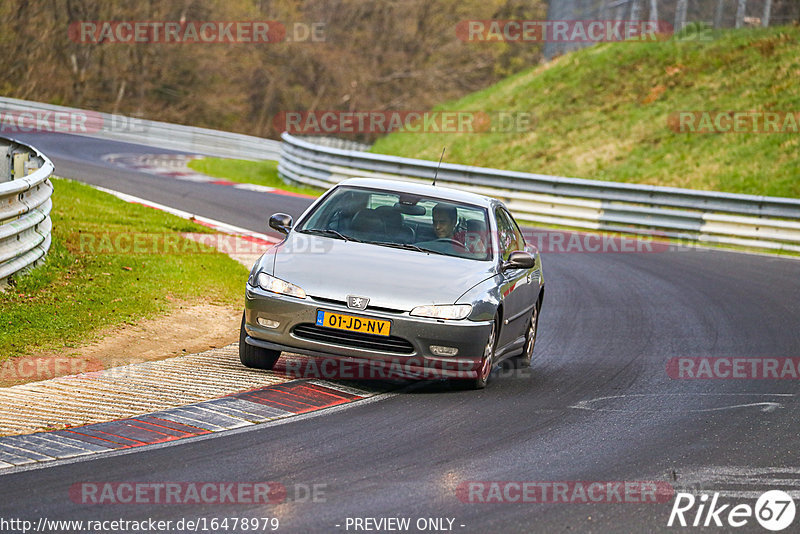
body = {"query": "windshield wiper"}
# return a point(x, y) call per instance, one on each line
point(433, 251)
point(405, 246)
point(329, 232)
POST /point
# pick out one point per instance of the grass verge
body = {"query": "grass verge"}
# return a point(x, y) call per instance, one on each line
point(98, 275)
point(608, 113)
point(249, 172)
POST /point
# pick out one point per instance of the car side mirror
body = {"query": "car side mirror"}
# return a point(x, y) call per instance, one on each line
point(281, 222)
point(519, 259)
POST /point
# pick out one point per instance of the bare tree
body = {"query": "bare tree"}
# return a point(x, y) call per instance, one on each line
point(718, 13)
point(740, 11)
point(636, 8)
point(401, 54)
point(680, 15)
point(767, 13)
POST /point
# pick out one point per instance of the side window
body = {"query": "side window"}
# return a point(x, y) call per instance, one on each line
point(521, 244)
point(508, 234)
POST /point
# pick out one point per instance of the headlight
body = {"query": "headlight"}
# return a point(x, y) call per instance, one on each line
point(276, 285)
point(443, 311)
point(251, 278)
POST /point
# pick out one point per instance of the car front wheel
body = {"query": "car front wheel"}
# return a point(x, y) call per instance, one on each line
point(488, 359)
point(524, 359)
point(255, 357)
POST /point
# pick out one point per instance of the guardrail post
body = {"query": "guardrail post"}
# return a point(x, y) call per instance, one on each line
point(20, 159)
point(7, 165)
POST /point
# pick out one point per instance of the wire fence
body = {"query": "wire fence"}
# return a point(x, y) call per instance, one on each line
point(674, 14)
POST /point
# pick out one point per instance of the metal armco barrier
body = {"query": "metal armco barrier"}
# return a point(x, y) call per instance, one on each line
point(25, 206)
point(33, 116)
point(697, 216)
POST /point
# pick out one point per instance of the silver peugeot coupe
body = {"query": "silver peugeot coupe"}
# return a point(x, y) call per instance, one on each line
point(431, 281)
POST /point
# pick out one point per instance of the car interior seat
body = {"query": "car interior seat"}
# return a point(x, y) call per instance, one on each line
point(476, 238)
point(367, 224)
point(395, 229)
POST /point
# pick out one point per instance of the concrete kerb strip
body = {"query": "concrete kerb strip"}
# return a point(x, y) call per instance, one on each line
point(89, 414)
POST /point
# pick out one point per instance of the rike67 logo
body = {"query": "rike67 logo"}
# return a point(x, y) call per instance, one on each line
point(774, 510)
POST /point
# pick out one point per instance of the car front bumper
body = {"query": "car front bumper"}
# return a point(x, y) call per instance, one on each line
point(469, 337)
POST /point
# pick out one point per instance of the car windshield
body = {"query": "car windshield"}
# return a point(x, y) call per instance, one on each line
point(402, 220)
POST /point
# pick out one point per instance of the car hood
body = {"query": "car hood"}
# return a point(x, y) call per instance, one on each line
point(389, 277)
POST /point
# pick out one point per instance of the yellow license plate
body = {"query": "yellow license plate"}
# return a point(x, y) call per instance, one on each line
point(378, 327)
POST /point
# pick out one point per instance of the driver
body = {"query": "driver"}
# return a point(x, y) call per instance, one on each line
point(445, 217)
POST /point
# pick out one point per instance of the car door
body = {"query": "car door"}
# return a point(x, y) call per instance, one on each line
point(517, 289)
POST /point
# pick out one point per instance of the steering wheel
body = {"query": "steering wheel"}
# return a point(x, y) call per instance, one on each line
point(453, 242)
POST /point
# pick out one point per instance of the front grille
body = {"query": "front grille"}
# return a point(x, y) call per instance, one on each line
point(344, 303)
point(353, 339)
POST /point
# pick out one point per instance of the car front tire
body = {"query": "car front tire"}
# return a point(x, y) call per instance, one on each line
point(523, 360)
point(255, 357)
point(488, 359)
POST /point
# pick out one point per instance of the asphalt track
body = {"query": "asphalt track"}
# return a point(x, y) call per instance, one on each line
point(610, 324)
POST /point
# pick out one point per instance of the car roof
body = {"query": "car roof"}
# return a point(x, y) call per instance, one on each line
point(416, 188)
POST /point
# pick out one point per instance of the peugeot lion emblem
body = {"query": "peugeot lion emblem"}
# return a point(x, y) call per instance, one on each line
point(357, 303)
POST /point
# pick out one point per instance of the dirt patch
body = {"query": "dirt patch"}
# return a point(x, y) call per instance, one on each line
point(187, 329)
